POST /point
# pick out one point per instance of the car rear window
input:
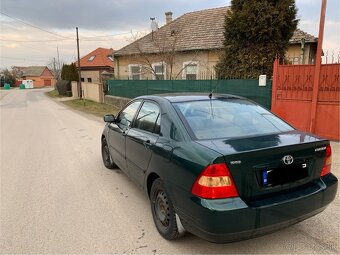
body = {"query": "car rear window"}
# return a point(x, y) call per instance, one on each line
point(228, 118)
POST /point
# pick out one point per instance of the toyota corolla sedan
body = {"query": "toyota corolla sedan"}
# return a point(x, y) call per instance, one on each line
point(218, 166)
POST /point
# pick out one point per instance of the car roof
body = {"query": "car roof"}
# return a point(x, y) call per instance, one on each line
point(185, 97)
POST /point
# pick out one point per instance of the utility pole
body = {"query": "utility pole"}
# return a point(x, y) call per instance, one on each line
point(79, 73)
point(58, 65)
point(55, 72)
point(317, 67)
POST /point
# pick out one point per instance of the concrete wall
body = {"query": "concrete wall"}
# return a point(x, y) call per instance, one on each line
point(118, 102)
point(206, 62)
point(90, 91)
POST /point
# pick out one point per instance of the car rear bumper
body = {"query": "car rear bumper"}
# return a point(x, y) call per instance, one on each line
point(226, 220)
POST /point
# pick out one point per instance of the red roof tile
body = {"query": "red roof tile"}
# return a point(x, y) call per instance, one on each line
point(97, 58)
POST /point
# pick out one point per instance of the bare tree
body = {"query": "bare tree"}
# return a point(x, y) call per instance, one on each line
point(162, 47)
point(55, 68)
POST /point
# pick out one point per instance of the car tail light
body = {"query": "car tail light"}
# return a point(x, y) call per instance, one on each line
point(326, 169)
point(215, 181)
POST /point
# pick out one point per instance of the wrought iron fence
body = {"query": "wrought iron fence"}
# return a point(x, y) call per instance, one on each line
point(328, 57)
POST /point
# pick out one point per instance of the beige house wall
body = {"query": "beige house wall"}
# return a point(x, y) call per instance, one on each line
point(90, 91)
point(93, 75)
point(206, 61)
point(293, 54)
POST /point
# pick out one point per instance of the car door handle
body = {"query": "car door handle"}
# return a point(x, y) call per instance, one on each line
point(147, 144)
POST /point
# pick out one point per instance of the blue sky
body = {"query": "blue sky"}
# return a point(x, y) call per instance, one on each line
point(21, 44)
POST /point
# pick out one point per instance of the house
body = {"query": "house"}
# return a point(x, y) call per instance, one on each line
point(96, 63)
point(188, 48)
point(302, 48)
point(40, 75)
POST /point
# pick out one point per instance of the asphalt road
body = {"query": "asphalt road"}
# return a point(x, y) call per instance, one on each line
point(57, 197)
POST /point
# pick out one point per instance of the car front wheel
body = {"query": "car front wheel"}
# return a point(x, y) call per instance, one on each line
point(107, 159)
point(163, 212)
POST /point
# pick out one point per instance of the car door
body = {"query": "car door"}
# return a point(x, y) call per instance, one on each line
point(140, 139)
point(118, 131)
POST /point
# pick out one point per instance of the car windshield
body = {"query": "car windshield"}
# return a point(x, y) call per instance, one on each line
point(228, 118)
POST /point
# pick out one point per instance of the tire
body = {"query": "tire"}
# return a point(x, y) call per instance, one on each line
point(163, 212)
point(106, 156)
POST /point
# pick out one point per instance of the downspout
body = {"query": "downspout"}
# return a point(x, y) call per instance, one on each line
point(302, 51)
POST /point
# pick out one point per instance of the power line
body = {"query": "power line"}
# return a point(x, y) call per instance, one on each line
point(30, 59)
point(55, 40)
point(33, 25)
point(124, 33)
point(91, 39)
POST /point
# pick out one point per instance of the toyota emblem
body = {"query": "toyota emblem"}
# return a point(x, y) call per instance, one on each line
point(288, 159)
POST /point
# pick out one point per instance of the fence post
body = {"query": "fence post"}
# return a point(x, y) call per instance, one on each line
point(274, 84)
point(101, 92)
point(317, 67)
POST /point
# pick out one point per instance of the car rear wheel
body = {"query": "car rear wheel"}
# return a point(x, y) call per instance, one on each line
point(107, 159)
point(163, 212)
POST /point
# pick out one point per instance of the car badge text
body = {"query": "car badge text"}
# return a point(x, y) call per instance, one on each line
point(320, 149)
point(236, 162)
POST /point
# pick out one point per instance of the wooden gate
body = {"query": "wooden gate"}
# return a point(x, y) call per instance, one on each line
point(292, 98)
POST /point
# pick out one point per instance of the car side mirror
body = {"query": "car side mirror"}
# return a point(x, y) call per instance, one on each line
point(109, 118)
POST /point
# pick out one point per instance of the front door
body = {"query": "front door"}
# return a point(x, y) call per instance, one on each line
point(140, 140)
point(118, 131)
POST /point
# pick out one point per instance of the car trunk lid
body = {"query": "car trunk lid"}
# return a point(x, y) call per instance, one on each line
point(272, 164)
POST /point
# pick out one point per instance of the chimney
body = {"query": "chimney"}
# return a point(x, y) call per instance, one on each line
point(168, 17)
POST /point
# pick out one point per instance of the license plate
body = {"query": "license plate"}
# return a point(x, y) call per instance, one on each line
point(282, 175)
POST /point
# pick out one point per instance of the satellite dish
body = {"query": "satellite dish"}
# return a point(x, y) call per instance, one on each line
point(154, 25)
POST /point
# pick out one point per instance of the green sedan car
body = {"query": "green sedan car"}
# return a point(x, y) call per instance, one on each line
point(218, 166)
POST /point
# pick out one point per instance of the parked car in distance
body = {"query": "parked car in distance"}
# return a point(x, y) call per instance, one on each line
point(218, 166)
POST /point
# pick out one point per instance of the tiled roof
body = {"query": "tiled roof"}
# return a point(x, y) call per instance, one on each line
point(33, 70)
point(299, 35)
point(97, 58)
point(199, 30)
point(192, 31)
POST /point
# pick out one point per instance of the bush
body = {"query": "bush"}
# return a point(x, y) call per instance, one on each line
point(64, 88)
point(69, 72)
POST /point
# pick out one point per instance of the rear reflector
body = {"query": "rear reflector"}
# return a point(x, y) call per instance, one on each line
point(326, 169)
point(215, 181)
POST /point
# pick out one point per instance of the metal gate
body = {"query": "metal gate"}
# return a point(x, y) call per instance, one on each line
point(293, 97)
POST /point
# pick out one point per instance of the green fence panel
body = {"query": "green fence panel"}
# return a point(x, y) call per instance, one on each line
point(240, 87)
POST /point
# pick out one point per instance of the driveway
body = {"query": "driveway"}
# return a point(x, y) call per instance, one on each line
point(57, 197)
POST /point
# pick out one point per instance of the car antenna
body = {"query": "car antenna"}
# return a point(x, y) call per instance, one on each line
point(210, 96)
point(212, 91)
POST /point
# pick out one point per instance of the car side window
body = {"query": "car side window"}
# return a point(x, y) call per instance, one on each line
point(148, 118)
point(125, 117)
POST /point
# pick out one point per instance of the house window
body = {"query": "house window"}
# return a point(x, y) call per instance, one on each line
point(91, 58)
point(82, 79)
point(89, 79)
point(135, 72)
point(159, 71)
point(190, 70)
point(110, 58)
